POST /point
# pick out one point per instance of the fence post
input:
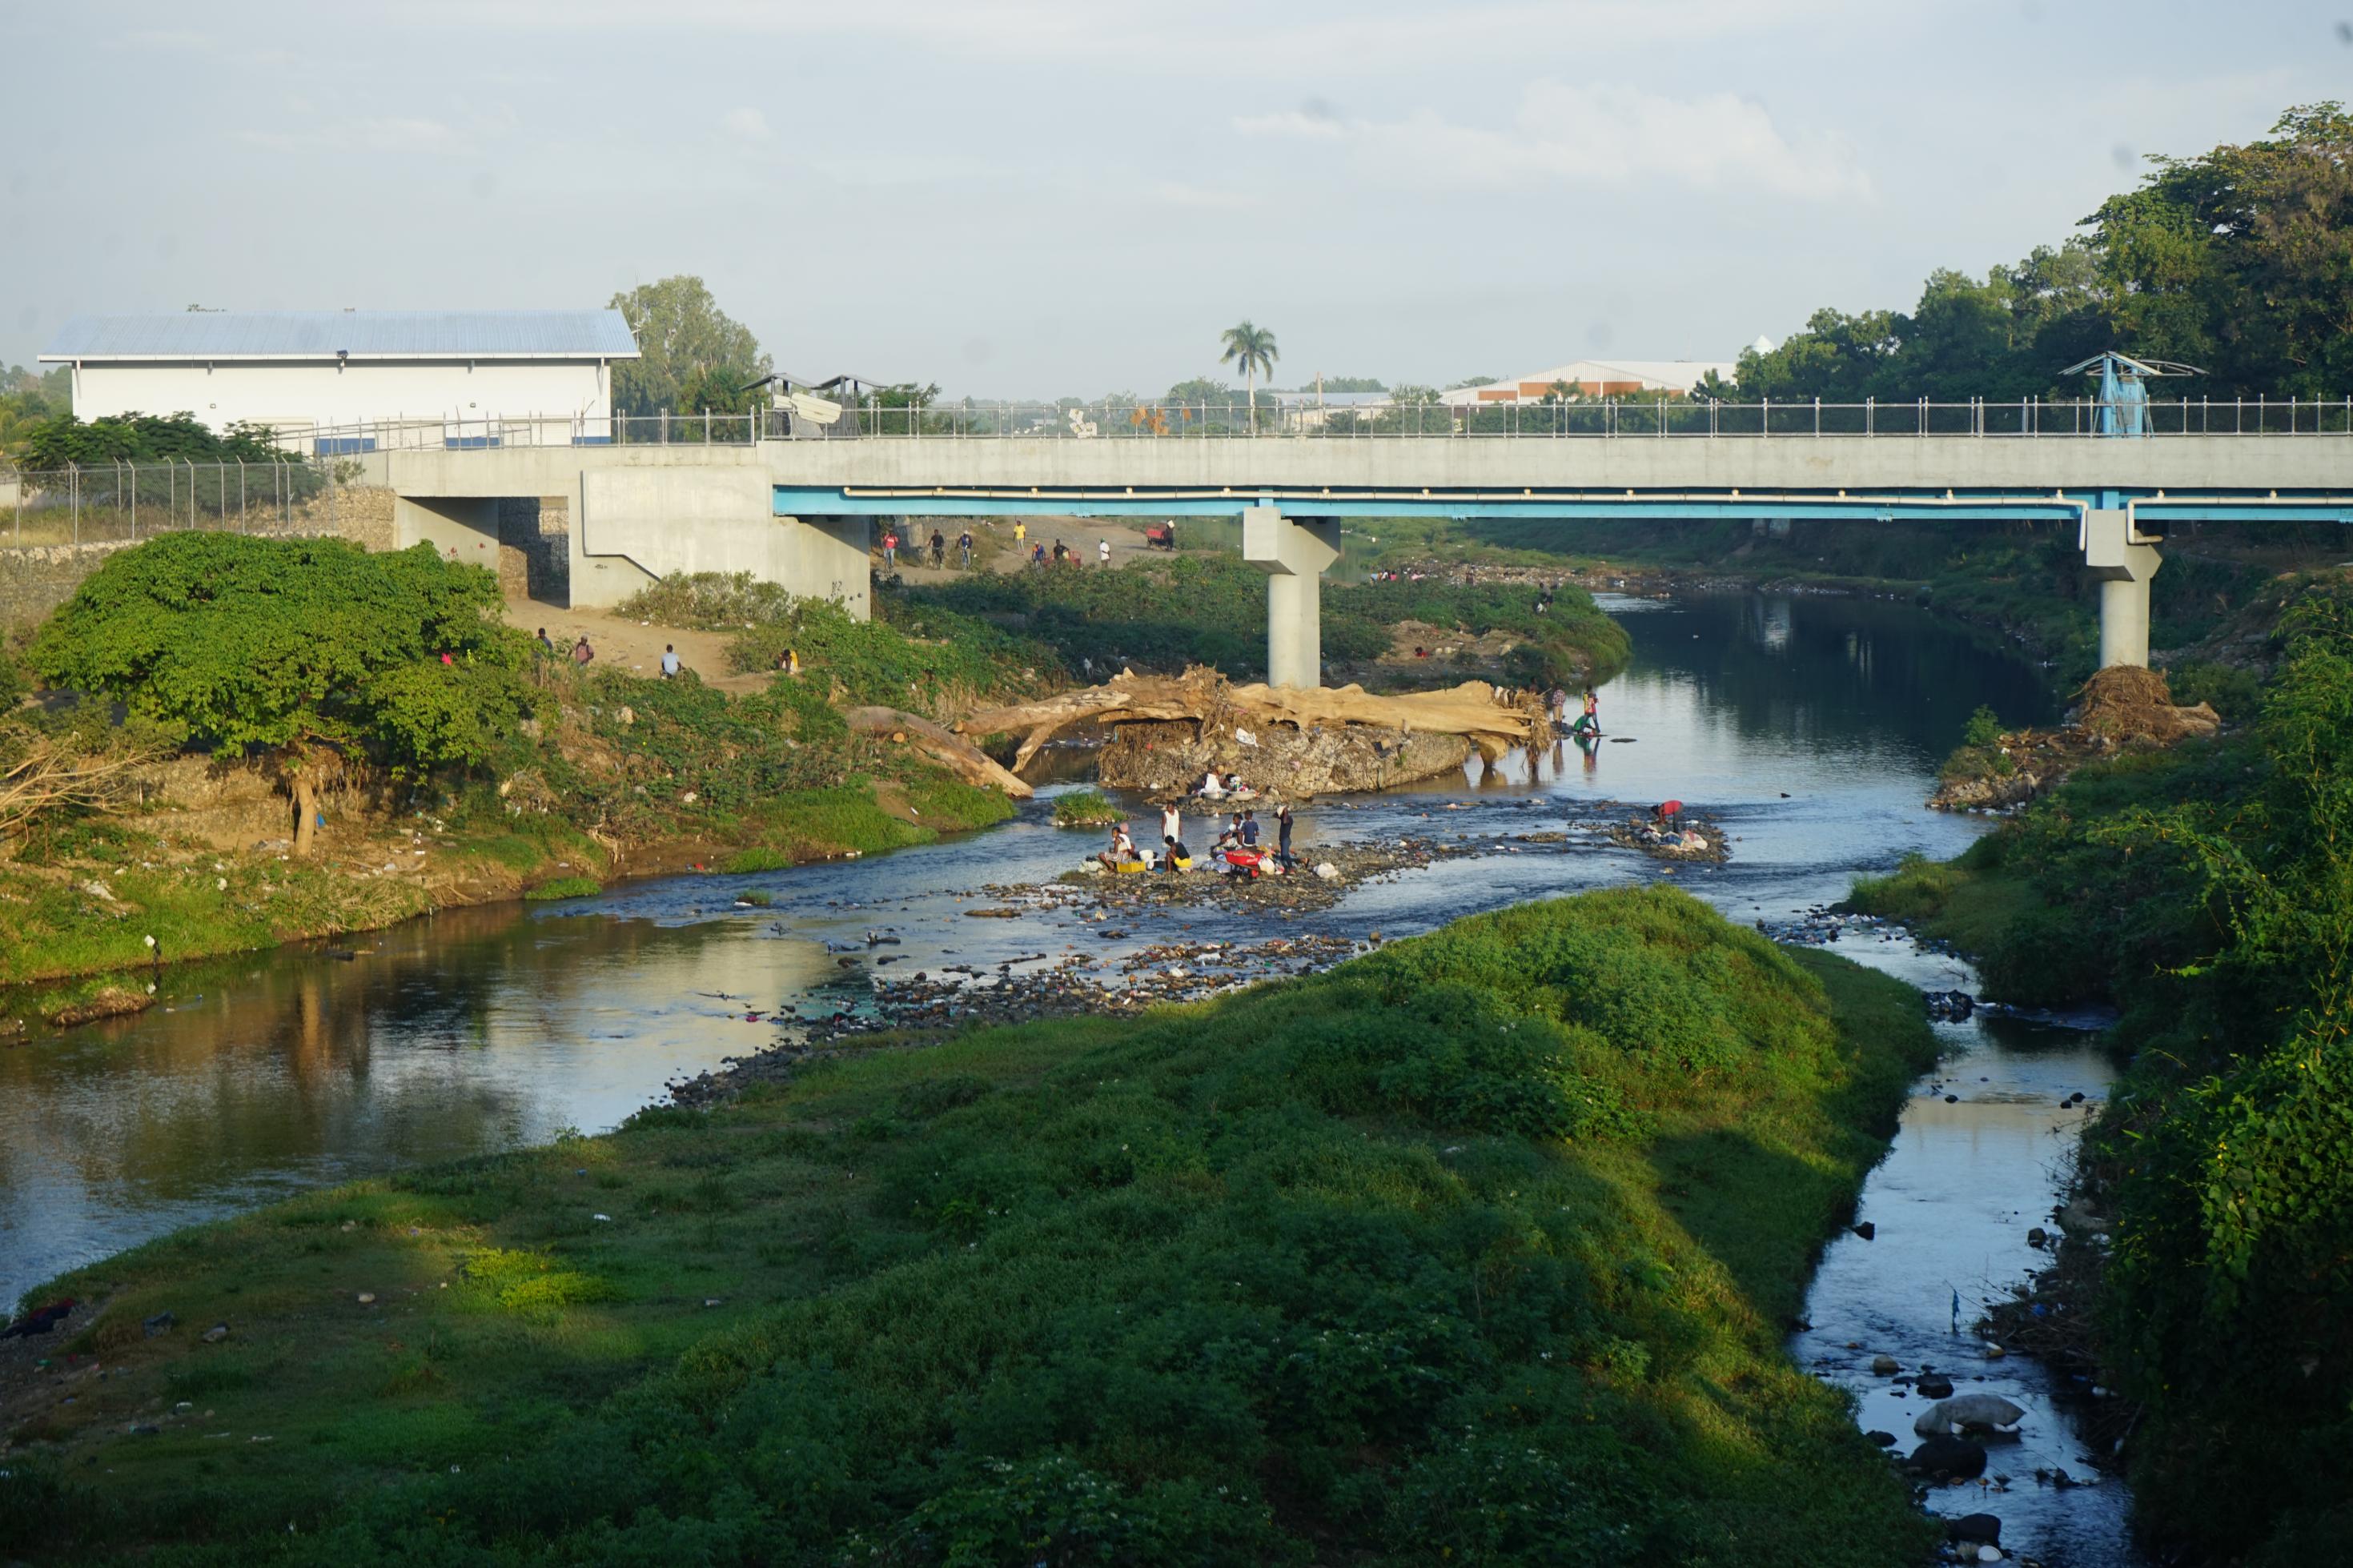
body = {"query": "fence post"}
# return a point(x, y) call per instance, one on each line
point(1765, 418)
point(73, 492)
point(242, 526)
point(134, 498)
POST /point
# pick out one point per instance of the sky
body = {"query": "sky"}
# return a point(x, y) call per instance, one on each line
point(1021, 199)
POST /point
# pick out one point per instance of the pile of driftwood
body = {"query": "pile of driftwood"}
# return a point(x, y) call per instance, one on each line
point(1258, 727)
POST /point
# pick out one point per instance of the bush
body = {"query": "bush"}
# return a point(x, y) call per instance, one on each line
point(1983, 729)
point(2232, 693)
point(1086, 808)
point(566, 888)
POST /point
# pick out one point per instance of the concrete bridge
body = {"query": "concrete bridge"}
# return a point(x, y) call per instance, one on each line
point(800, 512)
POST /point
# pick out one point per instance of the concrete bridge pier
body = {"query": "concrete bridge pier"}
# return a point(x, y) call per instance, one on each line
point(1294, 552)
point(2122, 561)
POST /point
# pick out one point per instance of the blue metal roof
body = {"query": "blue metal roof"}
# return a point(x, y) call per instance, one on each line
point(361, 334)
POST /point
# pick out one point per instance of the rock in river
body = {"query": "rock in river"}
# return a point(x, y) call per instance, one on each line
point(1976, 1529)
point(1970, 1410)
point(1954, 1457)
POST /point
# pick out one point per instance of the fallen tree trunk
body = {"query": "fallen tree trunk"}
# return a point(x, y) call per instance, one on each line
point(950, 750)
point(1481, 713)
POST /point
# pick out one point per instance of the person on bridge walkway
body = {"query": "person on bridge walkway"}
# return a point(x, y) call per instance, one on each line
point(964, 547)
point(670, 664)
point(1103, 551)
point(939, 549)
point(581, 652)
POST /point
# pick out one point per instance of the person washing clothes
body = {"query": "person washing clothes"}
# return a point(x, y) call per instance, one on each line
point(1283, 820)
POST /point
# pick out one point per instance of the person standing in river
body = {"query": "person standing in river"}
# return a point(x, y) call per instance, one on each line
point(1282, 835)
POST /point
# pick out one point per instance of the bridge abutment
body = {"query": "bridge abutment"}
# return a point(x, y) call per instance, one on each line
point(2122, 561)
point(1294, 552)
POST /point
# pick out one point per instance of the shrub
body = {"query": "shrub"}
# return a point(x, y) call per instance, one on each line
point(566, 888)
point(1086, 808)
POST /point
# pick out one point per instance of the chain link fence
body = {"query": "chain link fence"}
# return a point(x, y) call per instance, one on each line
point(119, 503)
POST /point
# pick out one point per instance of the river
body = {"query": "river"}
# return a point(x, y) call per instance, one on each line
point(1810, 726)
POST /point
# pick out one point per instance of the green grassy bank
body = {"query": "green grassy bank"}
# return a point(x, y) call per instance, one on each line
point(2208, 893)
point(1476, 1250)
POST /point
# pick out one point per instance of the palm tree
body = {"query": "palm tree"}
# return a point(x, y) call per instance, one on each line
point(1251, 350)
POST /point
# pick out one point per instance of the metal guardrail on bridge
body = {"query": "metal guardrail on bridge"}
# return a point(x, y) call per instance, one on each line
point(2029, 418)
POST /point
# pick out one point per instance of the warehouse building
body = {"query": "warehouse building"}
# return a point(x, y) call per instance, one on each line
point(1596, 378)
point(348, 380)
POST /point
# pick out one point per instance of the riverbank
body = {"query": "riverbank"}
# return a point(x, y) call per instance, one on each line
point(78, 914)
point(2023, 586)
point(1483, 1283)
point(2202, 891)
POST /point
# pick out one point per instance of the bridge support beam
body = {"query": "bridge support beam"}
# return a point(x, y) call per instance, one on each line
point(1294, 552)
point(2122, 561)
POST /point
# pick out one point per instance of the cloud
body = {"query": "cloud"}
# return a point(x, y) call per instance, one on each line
point(405, 135)
point(749, 125)
point(1576, 135)
point(1175, 194)
point(1229, 38)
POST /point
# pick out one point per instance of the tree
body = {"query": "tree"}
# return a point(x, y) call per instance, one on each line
point(687, 344)
point(1251, 350)
point(2242, 260)
point(1202, 390)
point(62, 439)
point(306, 649)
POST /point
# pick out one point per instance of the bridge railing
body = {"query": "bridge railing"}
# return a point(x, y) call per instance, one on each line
point(1607, 418)
point(1624, 418)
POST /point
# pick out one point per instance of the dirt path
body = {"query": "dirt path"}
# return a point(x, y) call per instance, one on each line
point(623, 642)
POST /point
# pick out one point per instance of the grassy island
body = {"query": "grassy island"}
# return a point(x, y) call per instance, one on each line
point(1479, 1248)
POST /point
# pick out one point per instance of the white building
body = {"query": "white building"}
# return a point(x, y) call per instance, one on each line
point(1312, 410)
point(369, 377)
point(1596, 378)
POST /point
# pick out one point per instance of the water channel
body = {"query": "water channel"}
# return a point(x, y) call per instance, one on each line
point(1810, 725)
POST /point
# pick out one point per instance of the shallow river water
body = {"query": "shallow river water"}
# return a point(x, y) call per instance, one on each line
point(1809, 726)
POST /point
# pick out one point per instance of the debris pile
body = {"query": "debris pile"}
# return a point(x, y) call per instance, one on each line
point(1697, 838)
point(1306, 740)
point(2120, 709)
